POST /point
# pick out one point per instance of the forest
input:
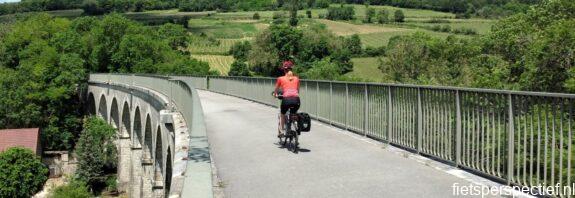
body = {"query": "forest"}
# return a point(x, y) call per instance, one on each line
point(45, 61)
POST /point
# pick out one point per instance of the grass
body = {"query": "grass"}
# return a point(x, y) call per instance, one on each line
point(207, 48)
point(217, 62)
point(224, 29)
point(344, 29)
point(409, 13)
point(366, 68)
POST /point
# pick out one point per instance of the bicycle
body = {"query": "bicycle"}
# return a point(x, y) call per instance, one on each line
point(291, 128)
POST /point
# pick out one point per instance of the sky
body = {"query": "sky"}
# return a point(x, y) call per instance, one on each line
point(3, 1)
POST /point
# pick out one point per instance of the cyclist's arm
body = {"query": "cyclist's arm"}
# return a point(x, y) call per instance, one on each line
point(278, 85)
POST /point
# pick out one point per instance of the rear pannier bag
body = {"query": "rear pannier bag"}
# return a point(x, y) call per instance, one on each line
point(304, 122)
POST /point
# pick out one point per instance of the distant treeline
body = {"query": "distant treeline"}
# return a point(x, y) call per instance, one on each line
point(107, 6)
point(482, 8)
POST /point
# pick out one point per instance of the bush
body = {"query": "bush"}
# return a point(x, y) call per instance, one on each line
point(239, 68)
point(383, 16)
point(341, 13)
point(240, 50)
point(436, 28)
point(22, 173)
point(372, 52)
point(308, 13)
point(75, 189)
point(399, 17)
point(322, 3)
point(256, 16)
point(446, 28)
point(437, 20)
point(321, 16)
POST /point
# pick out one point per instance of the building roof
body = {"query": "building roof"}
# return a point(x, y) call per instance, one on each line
point(27, 138)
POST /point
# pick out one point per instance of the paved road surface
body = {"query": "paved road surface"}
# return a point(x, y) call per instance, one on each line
point(250, 163)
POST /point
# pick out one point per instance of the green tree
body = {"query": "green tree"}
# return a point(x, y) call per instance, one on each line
point(399, 17)
point(256, 16)
point(323, 70)
point(383, 16)
point(22, 173)
point(240, 50)
point(239, 68)
point(369, 14)
point(96, 152)
point(353, 44)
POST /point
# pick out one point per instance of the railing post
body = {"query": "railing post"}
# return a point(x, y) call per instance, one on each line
point(346, 106)
point(419, 121)
point(510, 141)
point(389, 114)
point(330, 102)
point(365, 109)
point(457, 129)
point(317, 100)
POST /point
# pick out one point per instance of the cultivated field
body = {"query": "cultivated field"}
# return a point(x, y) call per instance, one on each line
point(217, 62)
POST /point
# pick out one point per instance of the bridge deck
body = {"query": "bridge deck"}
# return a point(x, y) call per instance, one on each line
point(243, 141)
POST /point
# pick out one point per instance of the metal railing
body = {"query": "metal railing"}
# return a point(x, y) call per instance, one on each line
point(518, 138)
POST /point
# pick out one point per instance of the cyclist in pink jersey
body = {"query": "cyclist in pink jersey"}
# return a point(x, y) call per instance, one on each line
point(289, 85)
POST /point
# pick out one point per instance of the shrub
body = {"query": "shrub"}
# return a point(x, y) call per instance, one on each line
point(437, 20)
point(436, 28)
point(256, 16)
point(340, 13)
point(308, 13)
point(446, 28)
point(322, 3)
point(239, 68)
point(377, 51)
point(22, 174)
point(75, 189)
point(240, 50)
point(383, 16)
point(399, 16)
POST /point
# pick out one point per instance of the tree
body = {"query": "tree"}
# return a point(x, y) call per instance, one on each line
point(383, 16)
point(240, 50)
point(308, 13)
point(399, 17)
point(353, 44)
point(369, 14)
point(96, 152)
point(256, 16)
point(323, 70)
point(22, 173)
point(239, 68)
point(294, 5)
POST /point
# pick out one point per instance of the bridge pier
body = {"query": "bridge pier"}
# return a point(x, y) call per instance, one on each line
point(124, 165)
point(137, 170)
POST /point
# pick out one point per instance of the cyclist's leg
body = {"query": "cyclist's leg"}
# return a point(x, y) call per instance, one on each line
point(283, 110)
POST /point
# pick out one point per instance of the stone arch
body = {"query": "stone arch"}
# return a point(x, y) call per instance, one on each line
point(114, 114)
point(148, 138)
point(103, 108)
point(137, 129)
point(158, 157)
point(126, 127)
point(91, 104)
point(168, 180)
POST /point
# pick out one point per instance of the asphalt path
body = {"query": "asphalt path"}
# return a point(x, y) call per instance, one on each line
point(331, 163)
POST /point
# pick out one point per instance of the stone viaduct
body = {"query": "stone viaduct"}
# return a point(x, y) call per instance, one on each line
point(153, 140)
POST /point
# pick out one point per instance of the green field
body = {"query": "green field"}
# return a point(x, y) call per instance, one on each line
point(366, 68)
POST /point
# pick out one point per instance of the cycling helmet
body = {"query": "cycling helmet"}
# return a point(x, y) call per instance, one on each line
point(287, 65)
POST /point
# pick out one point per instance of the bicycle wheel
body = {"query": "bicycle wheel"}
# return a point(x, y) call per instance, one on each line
point(295, 138)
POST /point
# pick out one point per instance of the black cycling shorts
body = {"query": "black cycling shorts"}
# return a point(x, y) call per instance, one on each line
point(287, 103)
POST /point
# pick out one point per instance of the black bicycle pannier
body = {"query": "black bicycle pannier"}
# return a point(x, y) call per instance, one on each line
point(304, 122)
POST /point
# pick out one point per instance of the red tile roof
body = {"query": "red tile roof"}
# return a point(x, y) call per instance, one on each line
point(27, 138)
